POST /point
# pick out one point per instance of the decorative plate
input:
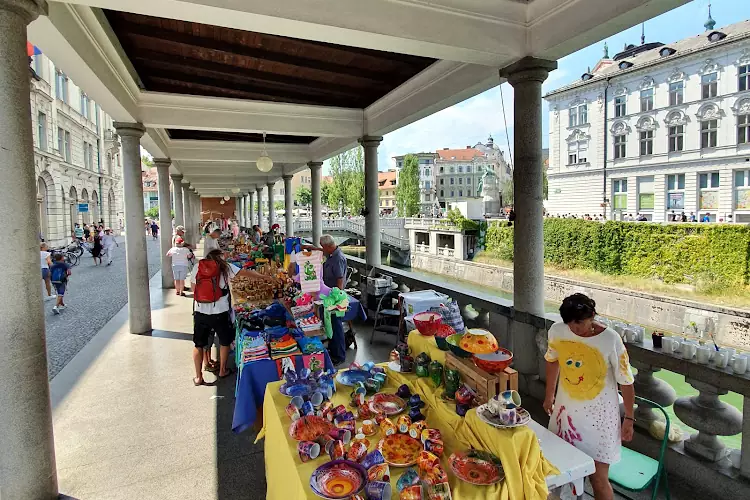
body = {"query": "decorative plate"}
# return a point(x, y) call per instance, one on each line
point(486, 416)
point(478, 341)
point(296, 390)
point(477, 467)
point(309, 428)
point(400, 450)
point(390, 404)
point(351, 377)
point(338, 479)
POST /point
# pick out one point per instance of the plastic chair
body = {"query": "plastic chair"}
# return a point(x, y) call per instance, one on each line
point(635, 471)
point(385, 314)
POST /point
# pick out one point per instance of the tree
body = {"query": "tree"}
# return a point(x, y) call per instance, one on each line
point(545, 184)
point(506, 190)
point(325, 192)
point(303, 196)
point(152, 212)
point(279, 205)
point(407, 190)
point(347, 184)
point(147, 161)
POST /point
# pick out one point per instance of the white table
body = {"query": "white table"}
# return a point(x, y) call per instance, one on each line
point(573, 464)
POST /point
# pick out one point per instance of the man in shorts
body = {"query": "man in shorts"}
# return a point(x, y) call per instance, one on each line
point(59, 273)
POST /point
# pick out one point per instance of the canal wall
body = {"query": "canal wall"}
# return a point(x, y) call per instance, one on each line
point(656, 311)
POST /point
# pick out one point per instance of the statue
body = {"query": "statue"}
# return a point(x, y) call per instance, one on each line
point(489, 187)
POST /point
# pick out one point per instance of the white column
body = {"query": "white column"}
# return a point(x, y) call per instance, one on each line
point(139, 304)
point(197, 216)
point(317, 208)
point(179, 217)
point(165, 220)
point(249, 214)
point(259, 205)
point(239, 202)
point(187, 214)
point(372, 207)
point(27, 454)
point(288, 205)
point(271, 214)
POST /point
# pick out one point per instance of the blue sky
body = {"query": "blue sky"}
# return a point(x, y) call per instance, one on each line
point(475, 119)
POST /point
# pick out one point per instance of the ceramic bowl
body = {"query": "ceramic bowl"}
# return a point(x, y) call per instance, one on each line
point(478, 341)
point(494, 362)
point(338, 479)
point(441, 343)
point(427, 323)
point(453, 345)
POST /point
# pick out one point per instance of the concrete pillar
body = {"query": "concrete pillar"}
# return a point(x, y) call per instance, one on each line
point(259, 205)
point(139, 304)
point(317, 208)
point(165, 220)
point(271, 214)
point(197, 216)
point(179, 217)
point(249, 214)
point(27, 454)
point(372, 207)
point(188, 214)
point(288, 205)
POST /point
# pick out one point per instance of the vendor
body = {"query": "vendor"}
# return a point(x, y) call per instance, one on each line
point(334, 275)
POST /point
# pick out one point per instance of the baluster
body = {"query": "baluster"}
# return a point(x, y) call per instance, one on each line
point(711, 417)
point(649, 387)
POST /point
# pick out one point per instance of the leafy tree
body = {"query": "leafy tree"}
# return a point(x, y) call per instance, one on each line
point(506, 190)
point(303, 196)
point(279, 205)
point(325, 192)
point(545, 184)
point(347, 184)
point(147, 161)
point(407, 190)
point(152, 212)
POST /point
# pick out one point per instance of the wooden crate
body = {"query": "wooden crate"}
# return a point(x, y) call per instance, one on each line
point(508, 380)
point(485, 384)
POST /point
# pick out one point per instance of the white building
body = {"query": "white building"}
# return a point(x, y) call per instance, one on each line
point(76, 155)
point(657, 129)
point(427, 190)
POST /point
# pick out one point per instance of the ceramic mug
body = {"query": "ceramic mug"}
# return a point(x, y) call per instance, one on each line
point(357, 451)
point(308, 450)
point(361, 438)
point(416, 428)
point(436, 476)
point(387, 427)
point(669, 344)
point(307, 408)
point(439, 491)
point(403, 391)
point(465, 394)
point(433, 434)
point(316, 399)
point(461, 409)
point(509, 398)
point(344, 435)
point(379, 472)
point(722, 357)
point(378, 490)
point(703, 354)
point(373, 458)
point(380, 377)
point(368, 427)
point(410, 477)
point(407, 364)
point(336, 449)
point(297, 401)
point(403, 424)
point(507, 415)
point(368, 366)
point(434, 446)
point(739, 365)
point(688, 350)
point(292, 411)
point(427, 461)
point(412, 493)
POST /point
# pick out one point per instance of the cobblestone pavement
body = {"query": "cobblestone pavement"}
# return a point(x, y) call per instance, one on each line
point(94, 296)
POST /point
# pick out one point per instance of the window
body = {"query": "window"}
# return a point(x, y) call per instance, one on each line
point(442, 193)
point(676, 192)
point(708, 86)
point(85, 154)
point(453, 180)
point(67, 147)
point(61, 86)
point(647, 142)
point(460, 169)
point(427, 172)
point(577, 152)
point(460, 192)
point(645, 193)
point(743, 129)
point(708, 133)
point(468, 169)
point(742, 189)
point(676, 138)
point(441, 181)
point(91, 159)
point(743, 77)
point(620, 190)
point(453, 193)
point(442, 169)
point(620, 105)
point(427, 197)
point(60, 135)
point(675, 93)
point(675, 181)
point(85, 105)
point(38, 65)
point(578, 115)
point(620, 146)
point(427, 184)
point(708, 181)
point(647, 99)
point(468, 180)
point(42, 131)
point(460, 180)
point(453, 170)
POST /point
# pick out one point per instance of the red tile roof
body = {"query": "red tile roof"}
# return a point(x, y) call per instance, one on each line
point(459, 154)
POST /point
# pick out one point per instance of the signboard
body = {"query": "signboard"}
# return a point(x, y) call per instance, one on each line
point(676, 201)
point(83, 207)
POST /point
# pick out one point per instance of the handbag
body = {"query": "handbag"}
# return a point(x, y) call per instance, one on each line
point(451, 314)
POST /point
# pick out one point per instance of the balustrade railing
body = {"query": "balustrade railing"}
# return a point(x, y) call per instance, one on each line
point(422, 248)
point(355, 226)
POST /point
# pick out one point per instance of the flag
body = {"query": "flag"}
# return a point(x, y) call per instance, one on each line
point(32, 50)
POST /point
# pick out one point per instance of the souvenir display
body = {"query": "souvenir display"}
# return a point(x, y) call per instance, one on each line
point(292, 412)
point(390, 404)
point(406, 364)
point(427, 461)
point(387, 427)
point(427, 323)
point(308, 450)
point(452, 381)
point(309, 428)
point(416, 402)
point(403, 423)
point(436, 373)
point(344, 435)
point(410, 477)
point(368, 427)
point(422, 365)
point(336, 449)
point(436, 475)
point(351, 377)
point(338, 479)
point(441, 334)
point(400, 450)
point(477, 467)
point(361, 438)
point(325, 441)
point(415, 414)
point(375, 457)
point(453, 342)
point(465, 395)
point(478, 341)
point(433, 434)
point(379, 472)
point(505, 418)
point(416, 428)
point(494, 362)
point(414, 492)
point(378, 490)
point(357, 451)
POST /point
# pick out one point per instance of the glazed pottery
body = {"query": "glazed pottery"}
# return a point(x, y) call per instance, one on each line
point(291, 377)
point(375, 457)
point(379, 417)
point(415, 415)
point(430, 434)
point(292, 412)
point(368, 427)
point(439, 491)
point(379, 472)
point(415, 401)
point(509, 398)
point(393, 356)
point(461, 409)
point(434, 446)
point(453, 344)
point(304, 373)
point(390, 404)
point(308, 450)
point(412, 493)
point(436, 373)
point(403, 424)
point(494, 362)
point(378, 490)
point(372, 386)
point(387, 427)
point(423, 359)
point(477, 467)
point(336, 450)
point(407, 364)
point(351, 377)
point(341, 434)
point(410, 477)
point(465, 394)
point(338, 479)
point(357, 452)
point(400, 450)
point(361, 438)
point(350, 425)
point(442, 343)
point(308, 428)
point(297, 401)
point(427, 323)
point(436, 476)
point(422, 370)
point(416, 428)
point(503, 421)
point(403, 392)
point(380, 377)
point(325, 442)
point(307, 408)
point(478, 341)
point(427, 461)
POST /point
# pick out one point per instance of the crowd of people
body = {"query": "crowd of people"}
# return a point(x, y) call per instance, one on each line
point(639, 217)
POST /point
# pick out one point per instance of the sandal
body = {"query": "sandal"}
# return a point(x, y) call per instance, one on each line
point(228, 374)
point(198, 382)
point(211, 368)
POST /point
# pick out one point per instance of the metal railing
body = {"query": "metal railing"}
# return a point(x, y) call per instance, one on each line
point(354, 226)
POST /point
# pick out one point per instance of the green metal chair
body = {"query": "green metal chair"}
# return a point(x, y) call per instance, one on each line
point(636, 472)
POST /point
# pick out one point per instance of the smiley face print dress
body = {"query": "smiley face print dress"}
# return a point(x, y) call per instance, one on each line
point(587, 409)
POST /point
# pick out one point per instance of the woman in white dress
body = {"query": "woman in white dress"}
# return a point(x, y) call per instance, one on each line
point(590, 361)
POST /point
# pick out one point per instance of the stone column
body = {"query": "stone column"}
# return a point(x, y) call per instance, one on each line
point(259, 205)
point(188, 214)
point(139, 304)
point(165, 220)
point(372, 208)
point(271, 214)
point(179, 217)
point(27, 453)
point(288, 204)
point(197, 216)
point(249, 214)
point(317, 208)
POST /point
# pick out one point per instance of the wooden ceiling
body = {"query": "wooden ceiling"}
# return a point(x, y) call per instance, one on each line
point(212, 135)
point(198, 59)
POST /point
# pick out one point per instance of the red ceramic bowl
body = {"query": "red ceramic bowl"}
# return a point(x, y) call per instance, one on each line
point(427, 323)
point(494, 362)
point(444, 331)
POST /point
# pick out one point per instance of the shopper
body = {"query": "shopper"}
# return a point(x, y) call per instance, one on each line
point(108, 244)
point(589, 360)
point(210, 281)
point(154, 229)
point(212, 241)
point(257, 234)
point(46, 261)
point(59, 273)
point(334, 275)
point(180, 264)
point(78, 232)
point(96, 250)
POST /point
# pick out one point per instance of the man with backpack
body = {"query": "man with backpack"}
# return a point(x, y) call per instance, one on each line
point(59, 273)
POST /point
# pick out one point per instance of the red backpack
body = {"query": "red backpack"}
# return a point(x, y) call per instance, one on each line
point(207, 287)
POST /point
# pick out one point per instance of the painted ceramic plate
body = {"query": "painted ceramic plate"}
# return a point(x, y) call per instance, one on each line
point(400, 450)
point(295, 390)
point(390, 404)
point(477, 467)
point(486, 416)
point(309, 428)
point(351, 377)
point(478, 341)
point(338, 479)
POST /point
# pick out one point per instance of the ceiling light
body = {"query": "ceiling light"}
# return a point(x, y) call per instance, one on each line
point(226, 198)
point(222, 202)
point(236, 190)
point(264, 162)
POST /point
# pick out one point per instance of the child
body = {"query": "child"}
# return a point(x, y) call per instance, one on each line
point(59, 273)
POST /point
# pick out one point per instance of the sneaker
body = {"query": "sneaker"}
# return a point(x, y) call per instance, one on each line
point(48, 297)
point(61, 308)
point(56, 310)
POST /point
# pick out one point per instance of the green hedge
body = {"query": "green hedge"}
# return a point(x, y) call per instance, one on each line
point(673, 253)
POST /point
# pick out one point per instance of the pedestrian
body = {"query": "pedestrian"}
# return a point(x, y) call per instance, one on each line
point(86, 232)
point(78, 232)
point(692, 217)
point(108, 244)
point(46, 261)
point(154, 229)
point(96, 250)
point(210, 281)
point(147, 226)
point(180, 264)
point(211, 242)
point(257, 234)
point(59, 273)
point(334, 275)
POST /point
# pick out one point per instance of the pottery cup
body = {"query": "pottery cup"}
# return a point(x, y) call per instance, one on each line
point(378, 490)
point(373, 458)
point(739, 364)
point(703, 354)
point(308, 450)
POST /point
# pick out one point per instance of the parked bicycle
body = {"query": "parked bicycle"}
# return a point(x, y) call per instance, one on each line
point(75, 247)
point(68, 256)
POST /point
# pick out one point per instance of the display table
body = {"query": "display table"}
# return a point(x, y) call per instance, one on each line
point(525, 467)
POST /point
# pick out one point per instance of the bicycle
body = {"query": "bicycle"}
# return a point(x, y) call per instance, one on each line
point(69, 257)
point(75, 247)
